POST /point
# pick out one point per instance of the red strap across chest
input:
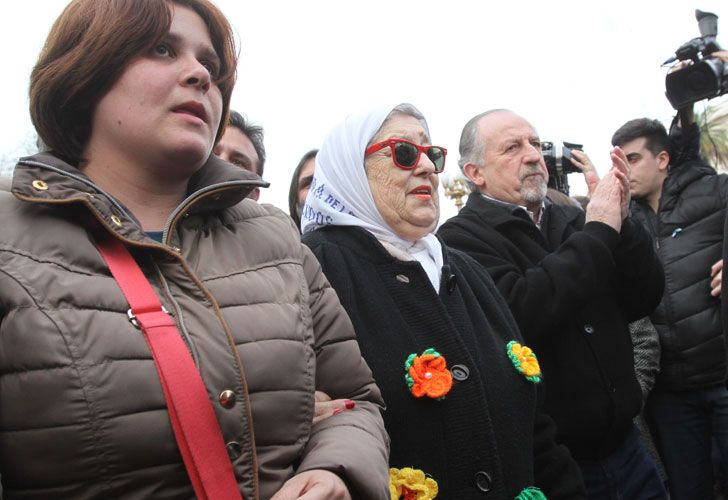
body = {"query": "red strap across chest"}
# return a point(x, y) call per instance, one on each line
point(195, 426)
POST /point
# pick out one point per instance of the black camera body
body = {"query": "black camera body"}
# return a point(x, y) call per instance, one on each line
point(707, 77)
point(559, 164)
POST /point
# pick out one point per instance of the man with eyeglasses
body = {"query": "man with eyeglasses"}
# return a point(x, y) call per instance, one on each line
point(573, 280)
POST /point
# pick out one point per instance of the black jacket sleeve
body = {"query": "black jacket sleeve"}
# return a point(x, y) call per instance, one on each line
point(555, 286)
point(567, 278)
point(640, 279)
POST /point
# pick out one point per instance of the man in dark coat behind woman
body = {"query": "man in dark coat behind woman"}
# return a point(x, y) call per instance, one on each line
point(573, 281)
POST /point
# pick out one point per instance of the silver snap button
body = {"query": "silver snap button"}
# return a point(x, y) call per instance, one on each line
point(227, 399)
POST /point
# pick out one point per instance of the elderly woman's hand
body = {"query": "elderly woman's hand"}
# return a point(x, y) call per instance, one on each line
point(326, 407)
point(314, 484)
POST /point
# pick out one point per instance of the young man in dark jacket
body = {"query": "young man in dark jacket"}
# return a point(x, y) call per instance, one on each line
point(573, 281)
point(683, 206)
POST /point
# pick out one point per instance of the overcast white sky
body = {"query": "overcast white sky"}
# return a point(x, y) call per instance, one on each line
point(576, 69)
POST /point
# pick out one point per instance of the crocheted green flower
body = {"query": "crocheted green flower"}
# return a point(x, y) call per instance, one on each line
point(531, 493)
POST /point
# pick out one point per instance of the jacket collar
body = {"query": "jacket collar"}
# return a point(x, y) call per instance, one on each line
point(496, 212)
point(214, 173)
point(362, 242)
point(681, 175)
point(44, 178)
point(555, 219)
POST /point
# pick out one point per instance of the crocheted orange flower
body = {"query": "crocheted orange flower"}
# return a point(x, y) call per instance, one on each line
point(524, 359)
point(411, 484)
point(427, 375)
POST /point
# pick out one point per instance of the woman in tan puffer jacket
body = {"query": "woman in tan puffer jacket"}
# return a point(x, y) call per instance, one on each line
point(130, 97)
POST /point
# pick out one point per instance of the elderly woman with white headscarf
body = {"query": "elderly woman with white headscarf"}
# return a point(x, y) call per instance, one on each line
point(461, 387)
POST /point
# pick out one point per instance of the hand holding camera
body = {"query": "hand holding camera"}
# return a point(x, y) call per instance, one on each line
point(559, 164)
point(707, 76)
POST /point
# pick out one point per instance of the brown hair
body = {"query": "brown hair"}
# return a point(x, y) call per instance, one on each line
point(89, 47)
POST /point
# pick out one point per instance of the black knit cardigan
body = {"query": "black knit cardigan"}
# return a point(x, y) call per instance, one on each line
point(487, 433)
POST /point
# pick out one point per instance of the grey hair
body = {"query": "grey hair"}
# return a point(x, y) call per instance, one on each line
point(472, 145)
point(403, 109)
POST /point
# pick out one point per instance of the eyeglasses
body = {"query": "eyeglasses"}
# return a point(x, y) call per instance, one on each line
point(406, 154)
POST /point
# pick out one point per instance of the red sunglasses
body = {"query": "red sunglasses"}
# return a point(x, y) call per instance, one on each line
point(406, 154)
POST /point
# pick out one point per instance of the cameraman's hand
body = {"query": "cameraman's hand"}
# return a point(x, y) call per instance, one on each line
point(620, 167)
point(605, 205)
point(583, 163)
point(721, 54)
point(716, 275)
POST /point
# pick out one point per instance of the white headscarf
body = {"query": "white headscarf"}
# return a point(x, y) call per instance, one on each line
point(340, 195)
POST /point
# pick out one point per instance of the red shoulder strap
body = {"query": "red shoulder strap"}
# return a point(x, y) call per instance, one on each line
point(195, 426)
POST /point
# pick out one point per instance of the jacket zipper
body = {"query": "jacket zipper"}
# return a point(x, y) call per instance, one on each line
point(168, 231)
point(178, 313)
point(653, 220)
point(191, 200)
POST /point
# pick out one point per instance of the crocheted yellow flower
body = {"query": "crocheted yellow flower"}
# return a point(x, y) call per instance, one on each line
point(411, 484)
point(427, 375)
point(524, 359)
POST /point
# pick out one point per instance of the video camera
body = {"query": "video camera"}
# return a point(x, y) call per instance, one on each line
point(559, 165)
point(707, 77)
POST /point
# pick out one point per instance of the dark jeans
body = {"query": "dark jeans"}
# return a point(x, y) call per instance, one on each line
point(627, 474)
point(685, 424)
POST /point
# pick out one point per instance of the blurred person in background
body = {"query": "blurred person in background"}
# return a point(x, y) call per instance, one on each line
point(242, 144)
point(300, 182)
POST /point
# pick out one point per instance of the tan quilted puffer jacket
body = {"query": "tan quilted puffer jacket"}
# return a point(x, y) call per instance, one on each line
point(82, 413)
